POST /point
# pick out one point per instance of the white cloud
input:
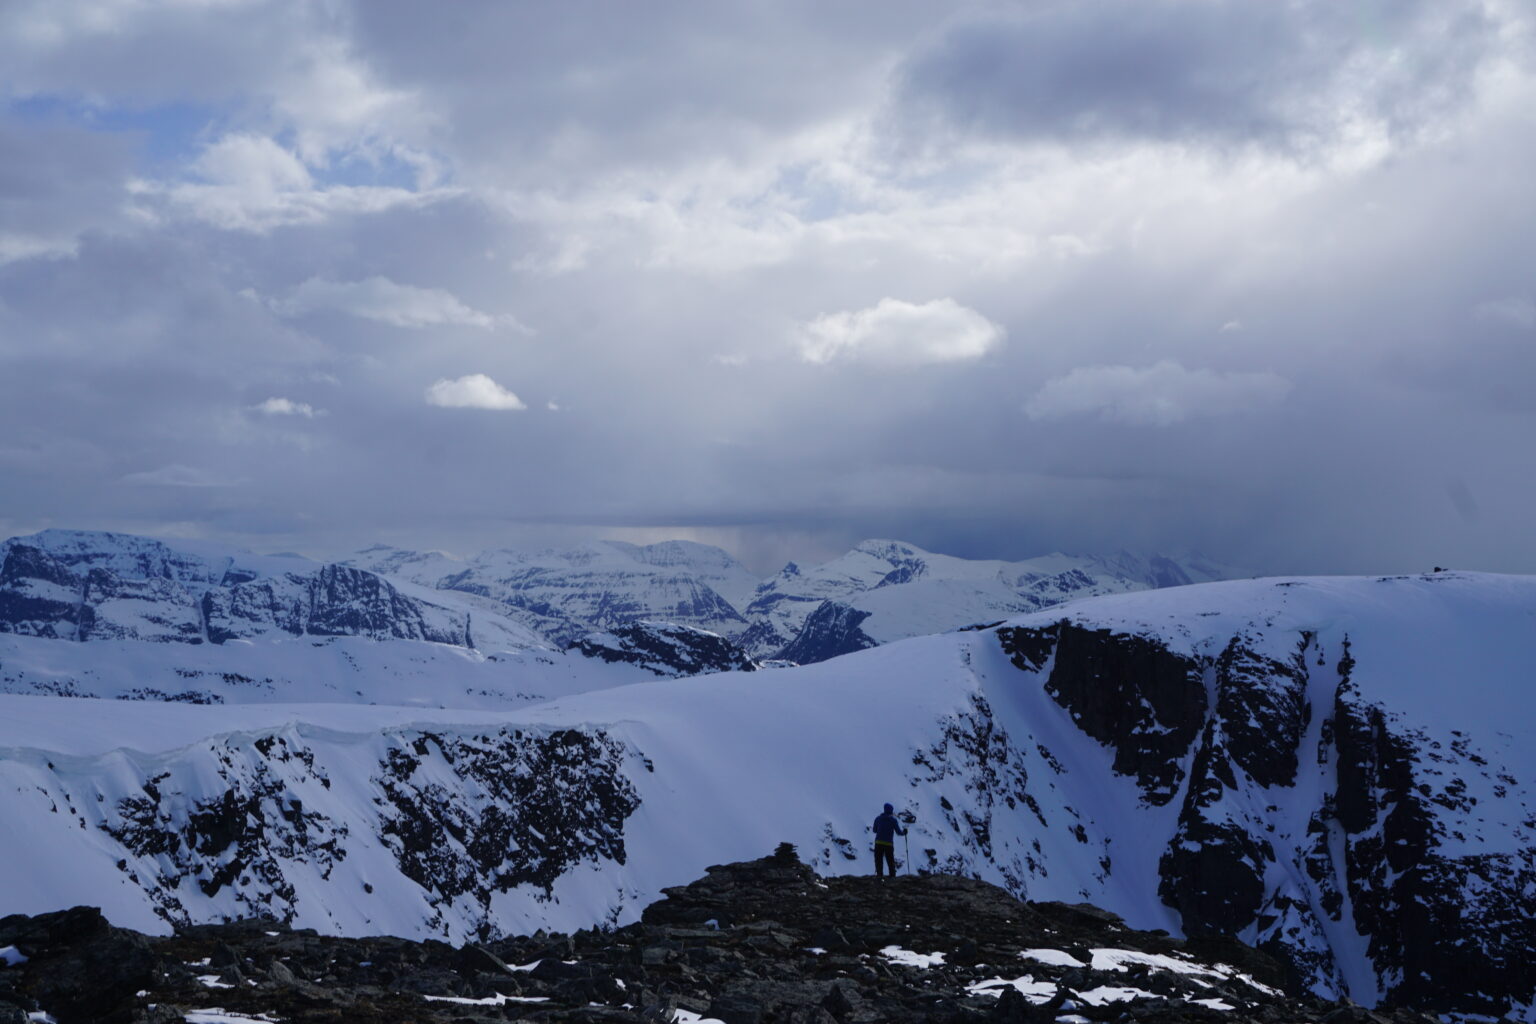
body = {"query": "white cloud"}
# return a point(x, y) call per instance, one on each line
point(897, 333)
point(16, 246)
point(1157, 395)
point(402, 305)
point(285, 407)
point(1511, 312)
point(245, 182)
point(475, 391)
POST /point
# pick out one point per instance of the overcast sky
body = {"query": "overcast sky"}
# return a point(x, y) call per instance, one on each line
point(1252, 278)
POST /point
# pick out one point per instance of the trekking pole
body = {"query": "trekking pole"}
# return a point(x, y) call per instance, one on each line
point(906, 842)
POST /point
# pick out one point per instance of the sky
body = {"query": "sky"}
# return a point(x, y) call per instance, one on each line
point(998, 279)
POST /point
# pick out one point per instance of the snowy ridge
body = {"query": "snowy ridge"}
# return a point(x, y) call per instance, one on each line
point(81, 585)
point(1319, 766)
point(111, 615)
point(904, 591)
point(600, 585)
point(901, 590)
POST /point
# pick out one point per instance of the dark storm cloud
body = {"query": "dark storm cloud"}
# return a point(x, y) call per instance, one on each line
point(1228, 72)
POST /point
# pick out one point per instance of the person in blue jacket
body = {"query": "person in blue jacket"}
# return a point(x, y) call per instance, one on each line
point(886, 830)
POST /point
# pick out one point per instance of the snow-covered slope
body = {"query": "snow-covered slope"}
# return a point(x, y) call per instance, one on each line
point(566, 593)
point(899, 591)
point(112, 615)
point(896, 590)
point(1332, 768)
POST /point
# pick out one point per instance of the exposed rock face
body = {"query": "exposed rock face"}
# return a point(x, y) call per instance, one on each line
point(333, 601)
point(246, 838)
point(94, 595)
point(524, 809)
point(252, 825)
point(760, 941)
point(39, 596)
point(1386, 810)
point(1125, 691)
point(831, 630)
point(666, 649)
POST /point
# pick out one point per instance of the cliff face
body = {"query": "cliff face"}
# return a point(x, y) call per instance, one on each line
point(42, 595)
point(1311, 820)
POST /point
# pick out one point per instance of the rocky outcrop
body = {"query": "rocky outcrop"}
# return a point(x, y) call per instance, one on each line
point(760, 941)
point(666, 649)
point(523, 809)
point(830, 631)
point(1128, 692)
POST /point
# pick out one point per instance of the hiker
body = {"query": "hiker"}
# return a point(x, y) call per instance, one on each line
point(886, 829)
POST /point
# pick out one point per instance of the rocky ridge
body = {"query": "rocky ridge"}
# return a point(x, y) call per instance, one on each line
point(750, 943)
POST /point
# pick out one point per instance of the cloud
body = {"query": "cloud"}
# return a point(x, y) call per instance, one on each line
point(893, 333)
point(58, 181)
point(475, 391)
point(401, 305)
point(1512, 312)
point(1111, 181)
point(249, 182)
point(1228, 72)
point(286, 407)
point(1158, 395)
point(178, 475)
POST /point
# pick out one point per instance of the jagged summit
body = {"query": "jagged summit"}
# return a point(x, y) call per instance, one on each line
point(749, 943)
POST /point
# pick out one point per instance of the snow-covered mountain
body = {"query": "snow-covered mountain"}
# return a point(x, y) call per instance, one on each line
point(564, 594)
point(885, 590)
point(114, 615)
point(1330, 768)
point(894, 590)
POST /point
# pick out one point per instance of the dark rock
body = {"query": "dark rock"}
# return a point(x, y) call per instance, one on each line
point(754, 970)
point(473, 958)
point(666, 649)
point(737, 1009)
point(837, 1001)
point(828, 632)
point(81, 968)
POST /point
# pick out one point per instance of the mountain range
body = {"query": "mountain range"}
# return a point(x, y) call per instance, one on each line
point(1331, 769)
point(885, 590)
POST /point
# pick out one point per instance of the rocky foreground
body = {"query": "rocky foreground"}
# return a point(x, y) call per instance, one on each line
point(751, 943)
